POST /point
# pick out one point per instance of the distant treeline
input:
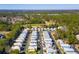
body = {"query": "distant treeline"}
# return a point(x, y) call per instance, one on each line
point(21, 12)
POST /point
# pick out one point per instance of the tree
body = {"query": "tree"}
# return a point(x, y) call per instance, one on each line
point(2, 44)
point(71, 39)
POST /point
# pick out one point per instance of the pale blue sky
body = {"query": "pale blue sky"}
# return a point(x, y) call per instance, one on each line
point(39, 6)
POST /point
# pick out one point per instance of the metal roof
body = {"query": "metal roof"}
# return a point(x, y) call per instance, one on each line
point(71, 53)
point(65, 45)
point(68, 49)
point(15, 47)
point(33, 44)
point(18, 44)
point(19, 40)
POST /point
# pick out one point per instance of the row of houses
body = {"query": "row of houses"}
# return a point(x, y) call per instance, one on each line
point(48, 44)
point(33, 42)
point(17, 45)
point(63, 28)
point(42, 29)
point(68, 49)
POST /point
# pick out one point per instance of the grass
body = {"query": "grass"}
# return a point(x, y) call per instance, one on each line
point(31, 52)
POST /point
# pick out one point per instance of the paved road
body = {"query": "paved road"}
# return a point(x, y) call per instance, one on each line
point(58, 48)
point(40, 41)
point(28, 42)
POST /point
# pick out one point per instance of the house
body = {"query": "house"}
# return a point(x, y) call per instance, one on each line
point(19, 40)
point(18, 44)
point(2, 36)
point(77, 36)
point(15, 48)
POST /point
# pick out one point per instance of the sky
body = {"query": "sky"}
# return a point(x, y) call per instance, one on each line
point(40, 6)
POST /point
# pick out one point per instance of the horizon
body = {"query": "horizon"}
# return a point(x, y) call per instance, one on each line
point(39, 6)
